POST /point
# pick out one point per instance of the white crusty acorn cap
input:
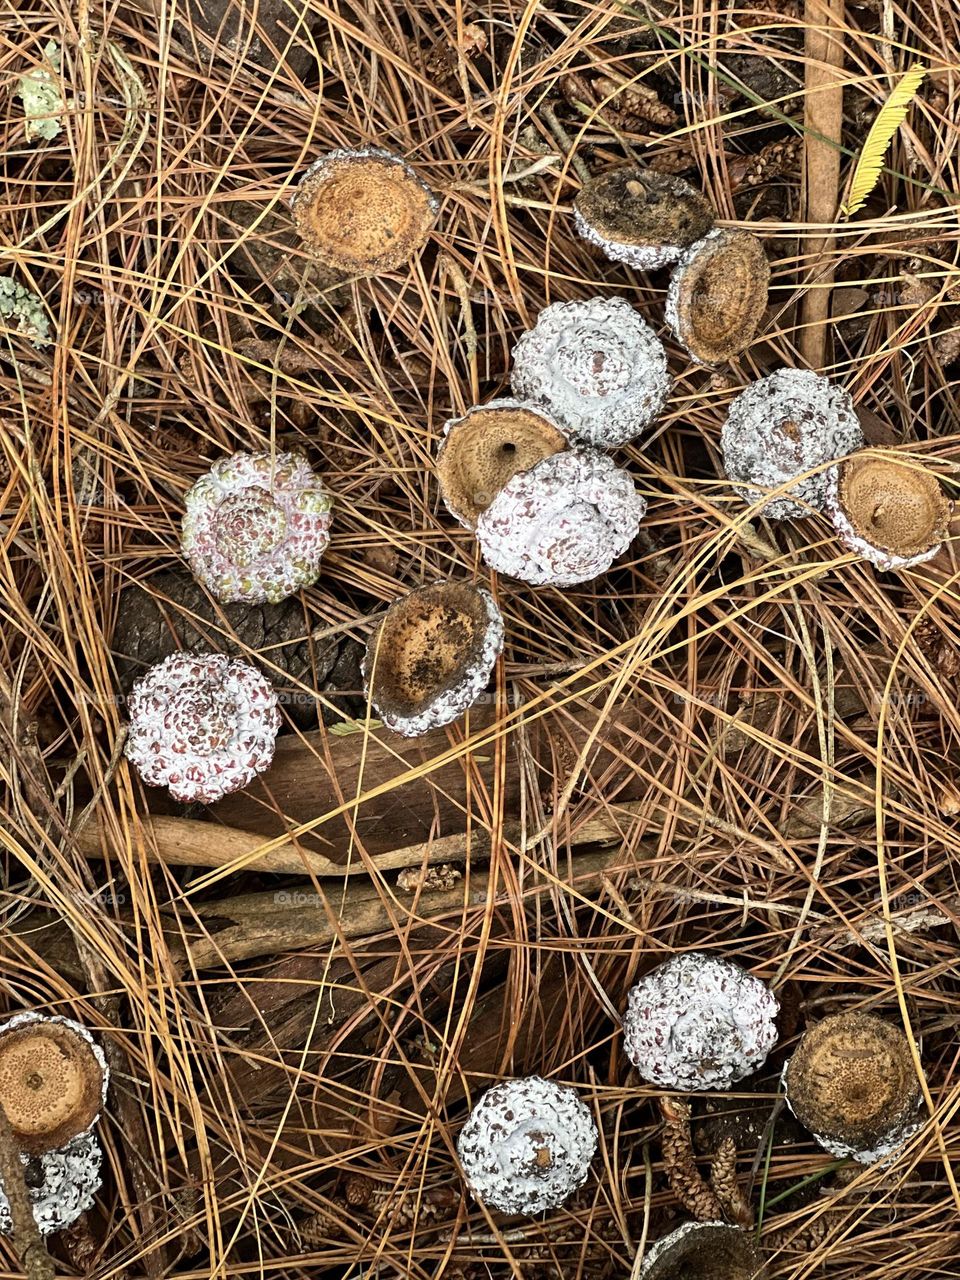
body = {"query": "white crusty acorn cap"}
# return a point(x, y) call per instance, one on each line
point(527, 1145)
point(362, 212)
point(61, 1185)
point(780, 428)
point(853, 1084)
point(638, 216)
point(890, 512)
point(482, 450)
point(53, 1081)
point(202, 725)
point(432, 656)
point(718, 295)
point(562, 522)
point(699, 1022)
point(704, 1251)
point(597, 368)
point(256, 526)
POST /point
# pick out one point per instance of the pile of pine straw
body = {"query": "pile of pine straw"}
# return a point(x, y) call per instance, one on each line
point(738, 738)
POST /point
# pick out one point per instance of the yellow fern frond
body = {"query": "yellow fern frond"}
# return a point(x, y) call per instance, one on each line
point(891, 117)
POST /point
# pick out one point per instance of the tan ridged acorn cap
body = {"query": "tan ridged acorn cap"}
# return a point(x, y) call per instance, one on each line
point(638, 216)
point(362, 212)
point(704, 1251)
point(433, 656)
point(489, 446)
point(51, 1082)
point(852, 1083)
point(718, 295)
point(896, 508)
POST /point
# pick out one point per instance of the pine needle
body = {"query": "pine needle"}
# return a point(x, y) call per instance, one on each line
point(891, 117)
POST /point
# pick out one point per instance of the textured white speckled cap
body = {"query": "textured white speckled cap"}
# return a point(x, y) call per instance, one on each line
point(597, 368)
point(527, 1145)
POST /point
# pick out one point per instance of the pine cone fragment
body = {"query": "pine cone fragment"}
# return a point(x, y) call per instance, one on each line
point(173, 612)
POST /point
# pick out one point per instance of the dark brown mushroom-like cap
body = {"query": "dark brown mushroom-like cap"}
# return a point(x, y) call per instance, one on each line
point(432, 655)
point(704, 1251)
point(488, 447)
point(718, 295)
point(853, 1083)
point(641, 217)
point(51, 1083)
point(361, 212)
point(896, 507)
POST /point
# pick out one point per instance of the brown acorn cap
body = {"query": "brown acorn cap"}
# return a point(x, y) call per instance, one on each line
point(718, 295)
point(631, 206)
point(852, 1080)
point(896, 506)
point(488, 447)
point(361, 212)
point(50, 1084)
point(428, 645)
point(704, 1251)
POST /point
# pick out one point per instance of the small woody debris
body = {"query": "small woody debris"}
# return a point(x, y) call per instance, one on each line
point(425, 880)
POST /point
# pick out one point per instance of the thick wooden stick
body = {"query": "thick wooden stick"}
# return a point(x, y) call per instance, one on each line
point(823, 120)
point(181, 842)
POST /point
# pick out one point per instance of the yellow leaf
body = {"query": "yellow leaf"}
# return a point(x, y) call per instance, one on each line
point(891, 117)
point(343, 728)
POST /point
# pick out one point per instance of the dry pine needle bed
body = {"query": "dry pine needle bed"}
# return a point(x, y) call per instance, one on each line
point(478, 676)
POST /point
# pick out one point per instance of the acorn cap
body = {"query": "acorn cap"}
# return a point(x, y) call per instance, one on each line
point(52, 1081)
point(432, 656)
point(202, 725)
point(718, 295)
point(638, 216)
point(562, 522)
point(704, 1251)
point(362, 212)
point(852, 1083)
point(61, 1185)
point(596, 366)
point(527, 1145)
point(892, 513)
point(485, 448)
point(780, 428)
point(699, 1021)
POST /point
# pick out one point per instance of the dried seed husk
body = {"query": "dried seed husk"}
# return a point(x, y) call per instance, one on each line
point(486, 448)
point(432, 656)
point(643, 218)
point(363, 212)
point(718, 295)
point(892, 513)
